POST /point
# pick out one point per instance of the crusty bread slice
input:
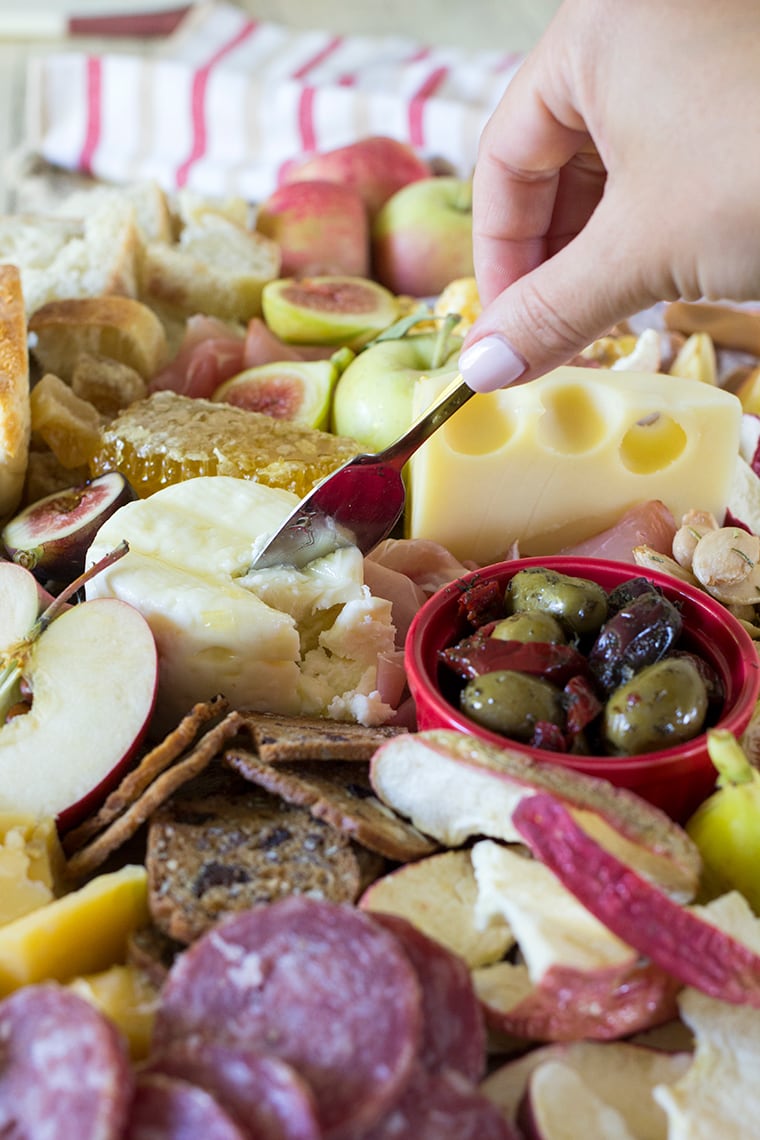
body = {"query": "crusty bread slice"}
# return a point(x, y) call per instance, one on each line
point(217, 267)
point(15, 419)
point(191, 209)
point(153, 214)
point(121, 328)
point(68, 257)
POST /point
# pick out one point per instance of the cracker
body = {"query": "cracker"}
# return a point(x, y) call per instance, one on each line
point(93, 854)
point(213, 856)
point(338, 792)
point(152, 764)
point(280, 738)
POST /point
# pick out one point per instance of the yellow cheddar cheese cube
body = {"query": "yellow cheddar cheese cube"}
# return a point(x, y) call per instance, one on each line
point(31, 864)
point(128, 998)
point(551, 463)
point(82, 933)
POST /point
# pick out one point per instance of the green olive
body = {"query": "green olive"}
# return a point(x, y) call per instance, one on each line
point(664, 705)
point(581, 605)
point(530, 625)
point(510, 702)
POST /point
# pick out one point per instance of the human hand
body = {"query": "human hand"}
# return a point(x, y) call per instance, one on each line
point(621, 168)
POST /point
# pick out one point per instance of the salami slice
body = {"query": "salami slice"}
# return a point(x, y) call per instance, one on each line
point(442, 1106)
point(165, 1108)
point(453, 1034)
point(64, 1068)
point(263, 1094)
point(319, 985)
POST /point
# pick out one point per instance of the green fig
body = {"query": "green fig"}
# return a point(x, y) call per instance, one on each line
point(294, 390)
point(726, 827)
point(328, 310)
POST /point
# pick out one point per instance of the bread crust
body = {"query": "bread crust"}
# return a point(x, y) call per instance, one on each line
point(15, 418)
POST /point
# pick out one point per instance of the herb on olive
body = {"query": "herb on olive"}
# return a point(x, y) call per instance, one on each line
point(663, 705)
point(512, 703)
point(579, 604)
point(639, 634)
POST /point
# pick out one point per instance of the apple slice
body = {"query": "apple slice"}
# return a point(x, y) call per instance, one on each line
point(584, 981)
point(91, 674)
point(438, 895)
point(618, 1075)
point(679, 939)
point(454, 787)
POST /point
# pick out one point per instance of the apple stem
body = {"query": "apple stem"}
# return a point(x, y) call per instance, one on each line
point(441, 348)
point(729, 758)
point(61, 601)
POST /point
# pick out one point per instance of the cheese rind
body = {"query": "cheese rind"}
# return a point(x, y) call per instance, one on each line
point(553, 462)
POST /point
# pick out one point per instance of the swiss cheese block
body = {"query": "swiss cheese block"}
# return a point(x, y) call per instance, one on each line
point(81, 933)
point(550, 463)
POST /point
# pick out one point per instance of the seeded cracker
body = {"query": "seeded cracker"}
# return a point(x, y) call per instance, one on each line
point(338, 792)
point(152, 764)
point(88, 858)
point(210, 856)
point(279, 738)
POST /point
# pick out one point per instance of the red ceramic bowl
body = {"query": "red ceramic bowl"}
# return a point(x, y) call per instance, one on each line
point(675, 779)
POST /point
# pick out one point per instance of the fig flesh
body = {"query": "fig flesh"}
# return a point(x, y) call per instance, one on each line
point(297, 391)
point(51, 536)
point(328, 309)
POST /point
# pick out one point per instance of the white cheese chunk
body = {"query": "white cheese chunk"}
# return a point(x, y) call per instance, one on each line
point(553, 462)
point(279, 640)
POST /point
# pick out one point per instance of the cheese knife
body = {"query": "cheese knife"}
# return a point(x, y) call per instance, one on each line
point(360, 503)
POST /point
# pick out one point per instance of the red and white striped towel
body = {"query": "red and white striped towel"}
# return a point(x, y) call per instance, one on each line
point(227, 100)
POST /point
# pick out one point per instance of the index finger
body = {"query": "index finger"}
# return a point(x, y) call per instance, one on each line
point(524, 148)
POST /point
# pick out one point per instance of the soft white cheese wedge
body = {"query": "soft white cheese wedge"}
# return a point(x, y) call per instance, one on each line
point(279, 640)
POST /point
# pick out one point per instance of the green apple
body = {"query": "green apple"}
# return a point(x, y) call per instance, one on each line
point(373, 398)
point(422, 236)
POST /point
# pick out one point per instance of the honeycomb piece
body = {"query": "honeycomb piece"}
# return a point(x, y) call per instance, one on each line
point(167, 438)
point(69, 425)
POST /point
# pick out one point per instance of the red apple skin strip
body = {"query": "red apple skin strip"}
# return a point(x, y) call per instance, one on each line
point(676, 939)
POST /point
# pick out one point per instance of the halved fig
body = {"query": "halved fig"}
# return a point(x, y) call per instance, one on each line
point(328, 309)
point(293, 390)
point(51, 537)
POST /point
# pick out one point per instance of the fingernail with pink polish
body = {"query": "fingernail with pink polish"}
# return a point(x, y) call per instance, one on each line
point(491, 363)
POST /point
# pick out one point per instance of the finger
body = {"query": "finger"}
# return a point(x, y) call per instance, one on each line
point(554, 311)
point(518, 181)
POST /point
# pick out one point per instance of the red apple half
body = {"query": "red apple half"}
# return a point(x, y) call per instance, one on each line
point(93, 675)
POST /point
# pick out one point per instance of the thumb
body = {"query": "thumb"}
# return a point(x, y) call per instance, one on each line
point(553, 312)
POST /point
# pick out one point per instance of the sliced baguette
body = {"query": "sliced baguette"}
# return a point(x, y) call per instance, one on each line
point(121, 328)
point(15, 417)
point(217, 267)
